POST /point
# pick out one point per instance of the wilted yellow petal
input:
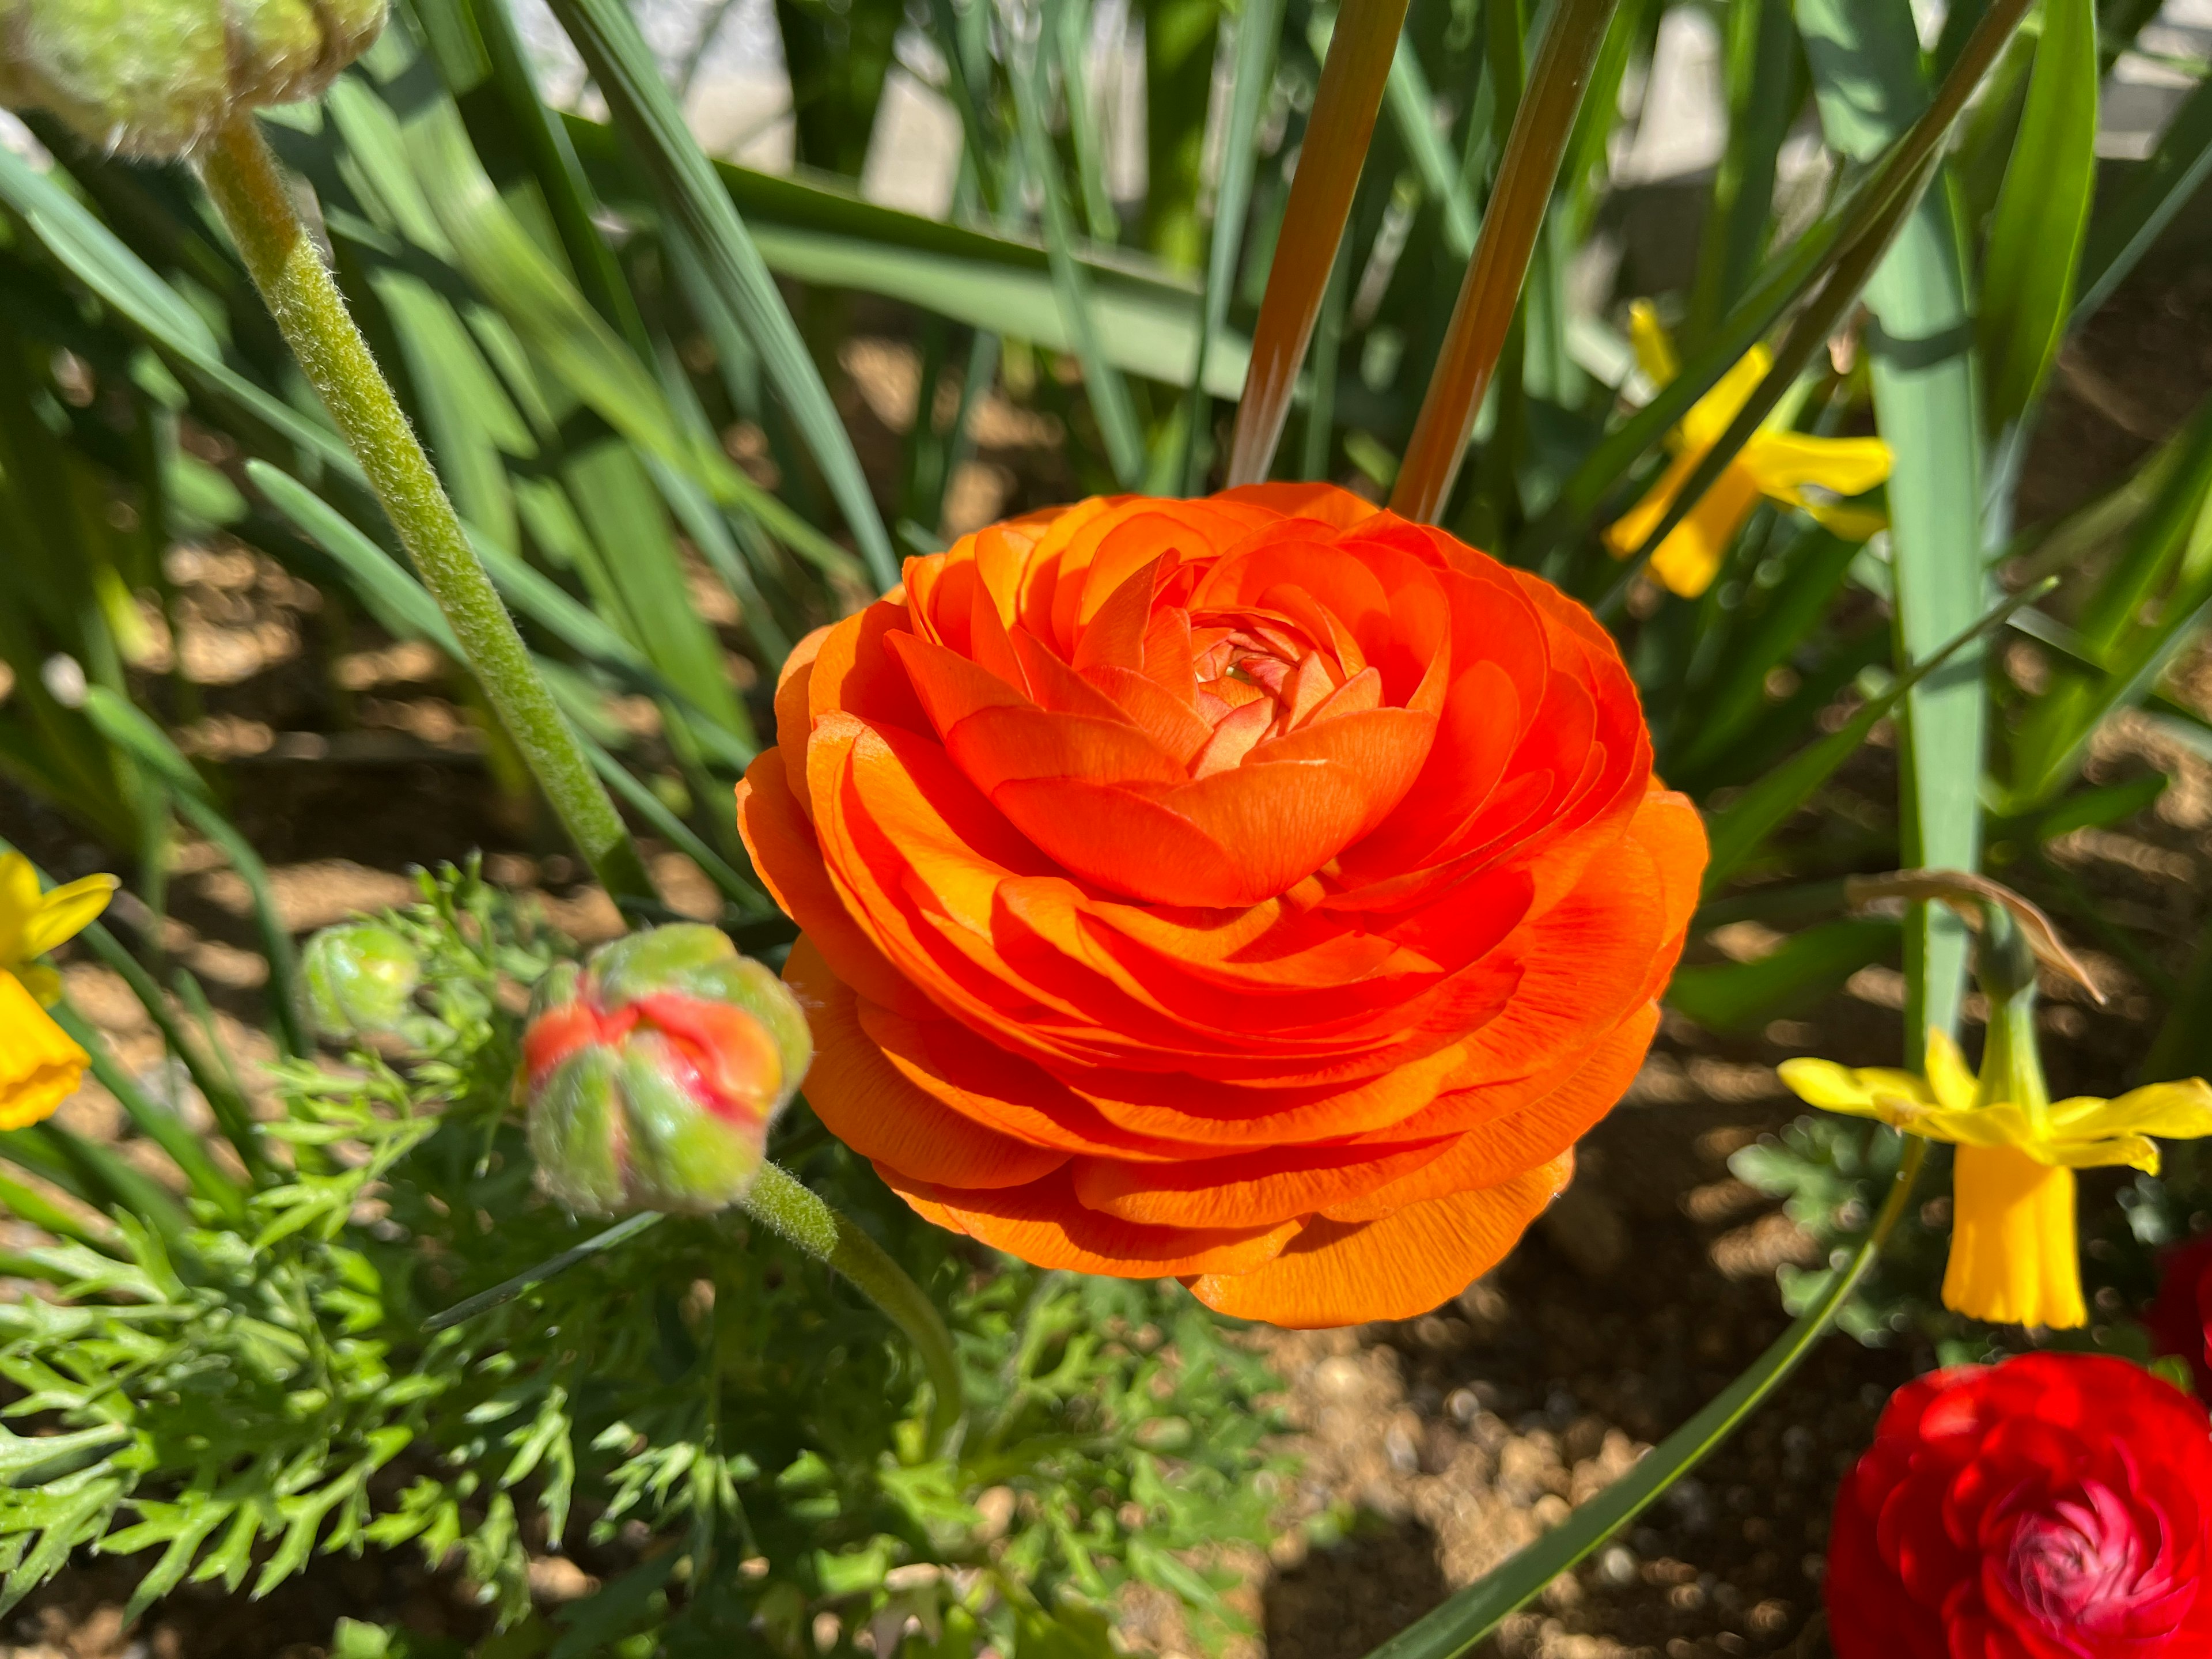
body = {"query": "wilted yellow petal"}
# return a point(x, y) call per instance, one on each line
point(64, 914)
point(1947, 1076)
point(2013, 1255)
point(40, 1066)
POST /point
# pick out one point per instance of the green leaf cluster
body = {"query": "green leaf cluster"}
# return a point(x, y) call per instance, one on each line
point(736, 1439)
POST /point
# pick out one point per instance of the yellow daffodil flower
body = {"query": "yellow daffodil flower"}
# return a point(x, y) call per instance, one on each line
point(40, 1065)
point(2014, 1259)
point(1776, 463)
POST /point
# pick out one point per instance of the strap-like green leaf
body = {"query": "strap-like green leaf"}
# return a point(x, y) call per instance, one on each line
point(2042, 214)
point(700, 210)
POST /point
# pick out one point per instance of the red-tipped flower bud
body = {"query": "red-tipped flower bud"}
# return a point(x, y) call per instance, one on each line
point(652, 1072)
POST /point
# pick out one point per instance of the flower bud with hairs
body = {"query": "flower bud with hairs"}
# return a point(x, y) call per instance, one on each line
point(155, 79)
point(652, 1072)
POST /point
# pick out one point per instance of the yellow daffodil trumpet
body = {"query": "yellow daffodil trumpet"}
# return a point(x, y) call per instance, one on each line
point(1781, 465)
point(40, 1065)
point(2013, 1255)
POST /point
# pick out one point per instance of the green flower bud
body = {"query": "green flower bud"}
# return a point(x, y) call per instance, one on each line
point(155, 78)
point(361, 976)
point(652, 1073)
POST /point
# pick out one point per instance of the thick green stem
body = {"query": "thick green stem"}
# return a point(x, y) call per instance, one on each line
point(785, 1204)
point(249, 190)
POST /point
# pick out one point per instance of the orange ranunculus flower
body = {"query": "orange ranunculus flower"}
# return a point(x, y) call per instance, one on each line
point(1262, 890)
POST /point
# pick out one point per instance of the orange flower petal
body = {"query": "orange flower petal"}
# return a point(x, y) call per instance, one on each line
point(1335, 1272)
point(1329, 502)
point(1523, 1137)
point(863, 1100)
point(788, 860)
point(1277, 1184)
point(1042, 1223)
point(1128, 843)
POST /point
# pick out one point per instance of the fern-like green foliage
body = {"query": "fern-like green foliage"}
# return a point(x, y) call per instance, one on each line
point(747, 1430)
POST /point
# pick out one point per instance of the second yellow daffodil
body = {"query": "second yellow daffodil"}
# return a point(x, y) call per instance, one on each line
point(40, 1065)
point(2014, 1259)
point(1778, 464)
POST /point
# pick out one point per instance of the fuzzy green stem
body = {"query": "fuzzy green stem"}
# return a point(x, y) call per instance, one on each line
point(786, 1206)
point(249, 190)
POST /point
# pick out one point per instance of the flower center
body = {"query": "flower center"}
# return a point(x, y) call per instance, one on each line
point(2084, 1562)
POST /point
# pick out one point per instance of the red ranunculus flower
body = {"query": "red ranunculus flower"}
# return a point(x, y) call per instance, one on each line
point(1263, 889)
point(2056, 1506)
point(2181, 1319)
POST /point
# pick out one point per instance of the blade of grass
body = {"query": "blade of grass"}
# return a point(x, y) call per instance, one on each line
point(1470, 1614)
point(1763, 86)
point(251, 195)
point(1867, 77)
point(1412, 112)
point(125, 725)
point(1109, 393)
point(701, 210)
point(1352, 79)
point(1259, 22)
point(2120, 628)
point(1736, 831)
point(1807, 265)
point(375, 572)
point(2042, 215)
point(1483, 315)
point(155, 1121)
point(2155, 192)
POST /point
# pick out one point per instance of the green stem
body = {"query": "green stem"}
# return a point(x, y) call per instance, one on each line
point(784, 1204)
point(1477, 1611)
point(249, 190)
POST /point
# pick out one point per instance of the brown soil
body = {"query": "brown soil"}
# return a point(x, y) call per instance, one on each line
point(1446, 1443)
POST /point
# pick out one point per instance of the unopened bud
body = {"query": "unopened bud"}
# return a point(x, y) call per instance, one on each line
point(362, 977)
point(155, 78)
point(652, 1073)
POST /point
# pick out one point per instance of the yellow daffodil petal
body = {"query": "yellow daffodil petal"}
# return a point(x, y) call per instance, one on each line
point(40, 1066)
point(1845, 522)
point(1709, 418)
point(1691, 556)
point(2136, 1152)
point(1785, 462)
point(2000, 1125)
point(1627, 533)
point(19, 899)
point(2013, 1255)
point(1654, 351)
point(2171, 1111)
point(1862, 1092)
point(1949, 1075)
point(64, 913)
point(41, 981)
